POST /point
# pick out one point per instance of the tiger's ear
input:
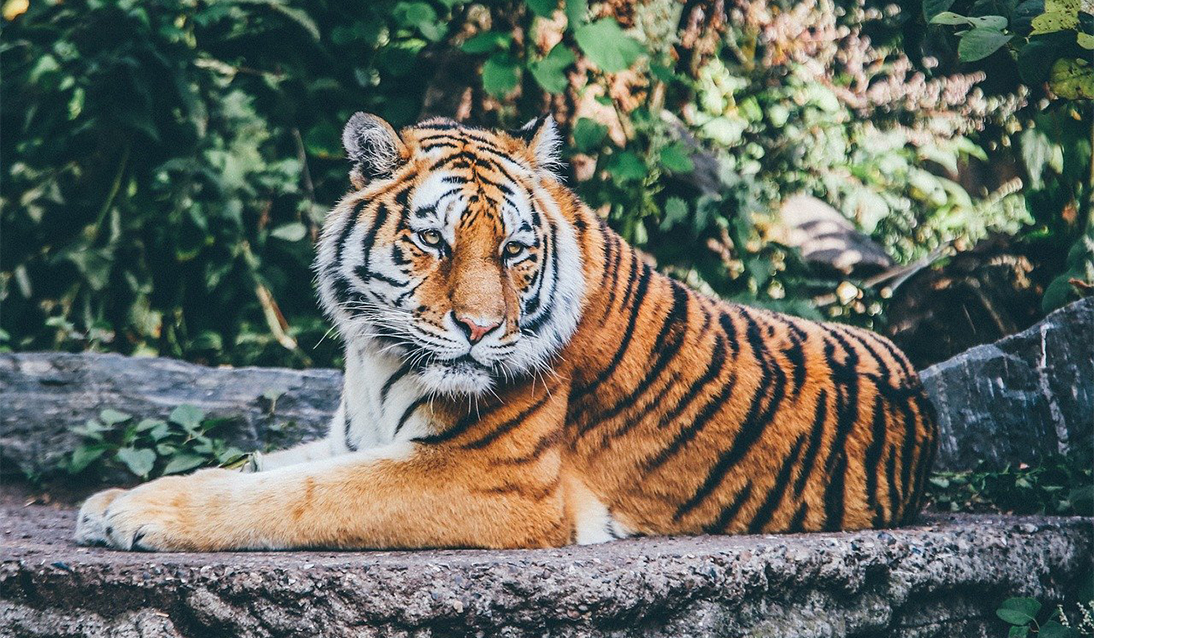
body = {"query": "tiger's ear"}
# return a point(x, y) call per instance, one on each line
point(542, 137)
point(373, 148)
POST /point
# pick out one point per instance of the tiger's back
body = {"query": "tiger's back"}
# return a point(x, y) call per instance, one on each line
point(689, 414)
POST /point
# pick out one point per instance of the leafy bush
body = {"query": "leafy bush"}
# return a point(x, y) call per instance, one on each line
point(151, 448)
point(167, 163)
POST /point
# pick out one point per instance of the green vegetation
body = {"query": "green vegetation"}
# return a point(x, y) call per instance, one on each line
point(150, 448)
point(1022, 616)
point(1060, 486)
point(167, 163)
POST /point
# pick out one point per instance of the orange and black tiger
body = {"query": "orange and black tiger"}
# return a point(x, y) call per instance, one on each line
point(517, 376)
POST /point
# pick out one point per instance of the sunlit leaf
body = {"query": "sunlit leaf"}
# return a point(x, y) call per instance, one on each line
point(139, 461)
point(605, 44)
point(500, 74)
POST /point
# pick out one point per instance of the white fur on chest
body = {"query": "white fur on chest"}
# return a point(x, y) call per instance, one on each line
point(379, 407)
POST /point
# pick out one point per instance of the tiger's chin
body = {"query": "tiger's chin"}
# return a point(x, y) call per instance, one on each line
point(456, 378)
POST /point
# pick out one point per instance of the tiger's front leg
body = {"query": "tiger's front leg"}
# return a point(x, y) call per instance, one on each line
point(462, 491)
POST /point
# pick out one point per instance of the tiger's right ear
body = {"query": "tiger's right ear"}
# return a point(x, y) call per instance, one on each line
point(372, 146)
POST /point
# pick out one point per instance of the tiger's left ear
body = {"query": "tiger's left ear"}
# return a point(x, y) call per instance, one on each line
point(373, 147)
point(542, 137)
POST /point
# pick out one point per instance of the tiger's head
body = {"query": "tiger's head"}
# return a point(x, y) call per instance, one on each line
point(453, 252)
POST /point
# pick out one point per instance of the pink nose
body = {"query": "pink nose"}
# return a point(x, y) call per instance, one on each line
point(475, 329)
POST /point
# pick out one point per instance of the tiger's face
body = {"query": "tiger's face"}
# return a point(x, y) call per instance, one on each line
point(452, 253)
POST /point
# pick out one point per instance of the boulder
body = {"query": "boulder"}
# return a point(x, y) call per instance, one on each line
point(45, 394)
point(1023, 399)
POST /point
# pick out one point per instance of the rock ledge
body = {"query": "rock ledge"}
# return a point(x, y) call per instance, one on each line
point(944, 577)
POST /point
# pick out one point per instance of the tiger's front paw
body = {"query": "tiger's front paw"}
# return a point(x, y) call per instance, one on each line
point(89, 526)
point(162, 515)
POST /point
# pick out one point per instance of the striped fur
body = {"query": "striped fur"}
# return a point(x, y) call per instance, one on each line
point(602, 400)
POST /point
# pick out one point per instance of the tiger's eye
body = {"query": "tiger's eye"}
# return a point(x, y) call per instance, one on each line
point(512, 249)
point(431, 237)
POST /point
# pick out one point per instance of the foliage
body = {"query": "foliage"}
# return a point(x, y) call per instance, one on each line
point(167, 163)
point(1060, 486)
point(1021, 614)
point(1048, 45)
point(151, 448)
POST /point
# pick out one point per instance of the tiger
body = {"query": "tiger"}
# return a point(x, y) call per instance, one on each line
point(517, 375)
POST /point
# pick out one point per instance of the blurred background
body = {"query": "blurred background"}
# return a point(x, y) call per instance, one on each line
point(923, 168)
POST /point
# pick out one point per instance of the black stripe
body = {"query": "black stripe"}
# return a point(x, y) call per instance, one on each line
point(676, 317)
point(795, 354)
point(391, 380)
point(730, 511)
point(874, 456)
point(507, 426)
point(346, 423)
point(771, 504)
point(810, 455)
point(896, 506)
point(638, 298)
point(846, 379)
point(408, 412)
point(714, 370)
point(689, 432)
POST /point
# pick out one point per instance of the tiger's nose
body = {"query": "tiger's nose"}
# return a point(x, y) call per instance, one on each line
point(474, 328)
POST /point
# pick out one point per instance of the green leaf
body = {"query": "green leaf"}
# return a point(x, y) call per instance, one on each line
point(676, 159)
point(1086, 40)
point(183, 463)
point(1060, 15)
point(1072, 79)
point(627, 167)
point(112, 417)
point(149, 424)
point(977, 44)
point(993, 23)
point(294, 231)
point(140, 462)
point(84, 456)
point(543, 8)
point(1014, 617)
point(604, 43)
point(1018, 631)
point(577, 13)
point(487, 42)
point(500, 74)
point(674, 212)
point(1019, 611)
point(189, 416)
point(1055, 630)
point(589, 134)
point(549, 71)
point(160, 432)
point(932, 8)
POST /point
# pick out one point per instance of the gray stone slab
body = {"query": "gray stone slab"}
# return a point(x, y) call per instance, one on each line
point(943, 577)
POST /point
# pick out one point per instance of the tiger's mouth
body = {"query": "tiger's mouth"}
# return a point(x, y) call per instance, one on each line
point(464, 363)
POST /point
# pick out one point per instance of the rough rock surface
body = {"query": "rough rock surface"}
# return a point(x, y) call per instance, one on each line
point(44, 394)
point(943, 577)
point(1023, 398)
